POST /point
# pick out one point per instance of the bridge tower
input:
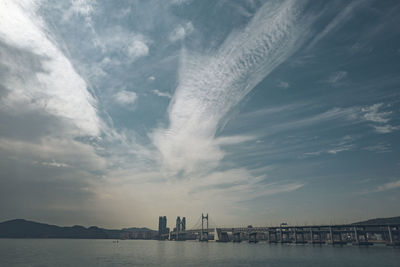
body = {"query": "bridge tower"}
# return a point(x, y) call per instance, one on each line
point(204, 234)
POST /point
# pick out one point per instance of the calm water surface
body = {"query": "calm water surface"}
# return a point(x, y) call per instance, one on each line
point(73, 252)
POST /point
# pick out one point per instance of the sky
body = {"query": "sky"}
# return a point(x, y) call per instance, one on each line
point(113, 113)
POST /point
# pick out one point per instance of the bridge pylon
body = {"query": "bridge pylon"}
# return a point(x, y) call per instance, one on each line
point(204, 234)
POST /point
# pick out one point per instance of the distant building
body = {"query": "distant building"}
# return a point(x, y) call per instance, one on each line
point(178, 224)
point(183, 224)
point(162, 225)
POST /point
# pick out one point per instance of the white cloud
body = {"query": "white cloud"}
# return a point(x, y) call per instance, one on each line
point(151, 78)
point(56, 88)
point(379, 118)
point(180, 32)
point(82, 7)
point(125, 97)
point(386, 128)
point(388, 186)
point(373, 114)
point(138, 49)
point(233, 140)
point(161, 94)
point(51, 151)
point(211, 84)
point(337, 77)
point(180, 2)
point(379, 148)
point(54, 164)
point(123, 46)
point(283, 84)
point(344, 144)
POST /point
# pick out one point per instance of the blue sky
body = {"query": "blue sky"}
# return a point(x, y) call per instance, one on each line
point(257, 112)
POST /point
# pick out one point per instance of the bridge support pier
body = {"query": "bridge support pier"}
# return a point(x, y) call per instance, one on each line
point(284, 237)
point(270, 234)
point(357, 241)
point(253, 237)
point(332, 240)
point(236, 237)
point(392, 241)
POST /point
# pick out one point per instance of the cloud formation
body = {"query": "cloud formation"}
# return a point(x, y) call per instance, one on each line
point(211, 84)
point(379, 118)
point(181, 31)
point(388, 186)
point(337, 77)
point(125, 97)
point(52, 85)
point(161, 94)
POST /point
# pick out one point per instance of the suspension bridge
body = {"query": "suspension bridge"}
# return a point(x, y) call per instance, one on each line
point(357, 234)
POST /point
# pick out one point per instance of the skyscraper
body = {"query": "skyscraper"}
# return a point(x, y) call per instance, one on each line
point(178, 223)
point(183, 223)
point(162, 225)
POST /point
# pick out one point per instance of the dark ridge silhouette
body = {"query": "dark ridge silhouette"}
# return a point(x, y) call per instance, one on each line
point(391, 220)
point(137, 229)
point(20, 228)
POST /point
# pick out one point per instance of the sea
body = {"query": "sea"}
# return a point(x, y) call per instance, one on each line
point(83, 252)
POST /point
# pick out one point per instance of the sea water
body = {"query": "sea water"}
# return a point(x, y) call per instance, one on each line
point(79, 252)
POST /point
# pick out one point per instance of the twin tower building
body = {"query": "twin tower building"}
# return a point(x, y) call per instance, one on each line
point(162, 225)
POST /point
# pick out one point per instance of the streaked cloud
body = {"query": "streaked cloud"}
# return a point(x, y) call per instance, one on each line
point(337, 77)
point(211, 84)
point(379, 148)
point(386, 128)
point(161, 94)
point(380, 118)
point(388, 186)
point(338, 21)
point(373, 114)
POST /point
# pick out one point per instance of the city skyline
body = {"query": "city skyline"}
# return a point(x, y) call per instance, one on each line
point(256, 112)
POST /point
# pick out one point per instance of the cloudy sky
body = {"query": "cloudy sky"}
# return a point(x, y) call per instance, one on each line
point(115, 112)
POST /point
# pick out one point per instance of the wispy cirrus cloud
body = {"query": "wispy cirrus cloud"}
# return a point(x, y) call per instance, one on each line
point(342, 145)
point(383, 187)
point(161, 94)
point(211, 84)
point(338, 21)
point(337, 77)
point(379, 118)
point(373, 113)
point(379, 148)
point(388, 186)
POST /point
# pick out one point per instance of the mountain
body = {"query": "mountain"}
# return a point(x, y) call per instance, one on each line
point(136, 229)
point(20, 228)
point(391, 220)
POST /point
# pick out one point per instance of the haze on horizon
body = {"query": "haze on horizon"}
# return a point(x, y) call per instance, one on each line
point(113, 113)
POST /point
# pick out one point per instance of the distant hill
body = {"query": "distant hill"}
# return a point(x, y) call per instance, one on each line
point(391, 220)
point(137, 229)
point(20, 228)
